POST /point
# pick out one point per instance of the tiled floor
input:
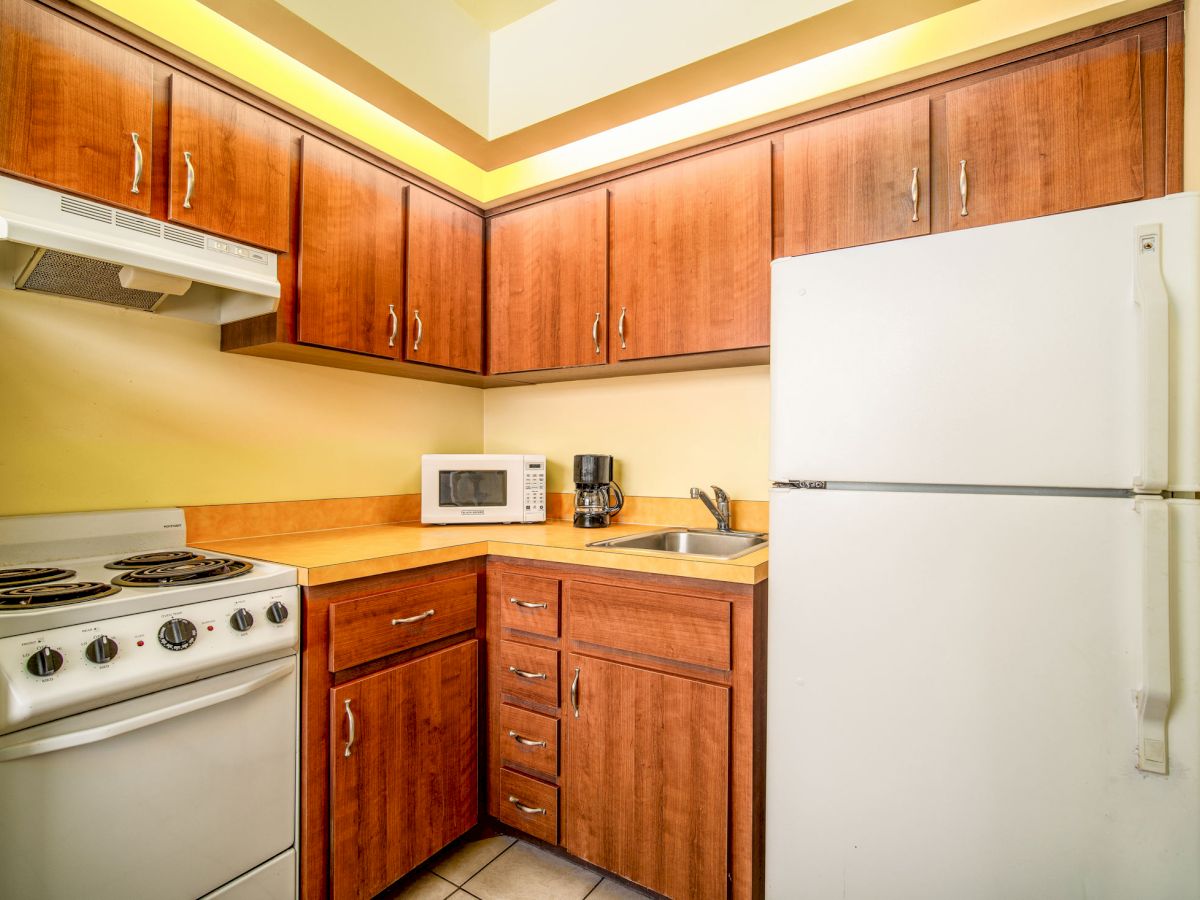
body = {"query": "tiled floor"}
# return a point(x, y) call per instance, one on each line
point(504, 868)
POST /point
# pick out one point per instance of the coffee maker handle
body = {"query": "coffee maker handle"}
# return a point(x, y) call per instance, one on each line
point(613, 510)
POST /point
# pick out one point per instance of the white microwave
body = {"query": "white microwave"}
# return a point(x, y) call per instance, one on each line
point(482, 487)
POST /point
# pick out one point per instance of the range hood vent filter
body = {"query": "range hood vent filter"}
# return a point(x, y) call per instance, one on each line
point(66, 275)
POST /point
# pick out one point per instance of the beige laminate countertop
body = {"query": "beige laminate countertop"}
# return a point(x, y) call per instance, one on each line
point(340, 554)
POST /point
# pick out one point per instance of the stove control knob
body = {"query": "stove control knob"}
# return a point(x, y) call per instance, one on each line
point(101, 650)
point(177, 634)
point(241, 620)
point(45, 662)
point(277, 612)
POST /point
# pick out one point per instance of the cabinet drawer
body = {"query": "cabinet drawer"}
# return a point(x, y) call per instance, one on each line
point(370, 627)
point(528, 603)
point(528, 739)
point(688, 629)
point(529, 672)
point(529, 805)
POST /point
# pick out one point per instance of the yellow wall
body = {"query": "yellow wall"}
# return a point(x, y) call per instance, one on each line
point(667, 432)
point(104, 408)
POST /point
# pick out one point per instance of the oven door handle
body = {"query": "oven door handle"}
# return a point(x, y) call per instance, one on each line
point(120, 718)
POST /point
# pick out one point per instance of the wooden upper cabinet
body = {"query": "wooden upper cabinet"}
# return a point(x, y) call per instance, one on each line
point(78, 108)
point(350, 277)
point(646, 777)
point(547, 285)
point(444, 302)
point(405, 775)
point(1057, 136)
point(229, 166)
point(691, 255)
point(857, 178)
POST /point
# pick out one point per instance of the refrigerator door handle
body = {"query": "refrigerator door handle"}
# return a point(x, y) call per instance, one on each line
point(1154, 305)
point(1154, 695)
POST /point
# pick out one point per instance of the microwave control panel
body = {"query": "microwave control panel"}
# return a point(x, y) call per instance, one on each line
point(535, 489)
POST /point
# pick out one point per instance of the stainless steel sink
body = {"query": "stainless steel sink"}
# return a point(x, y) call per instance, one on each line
point(690, 541)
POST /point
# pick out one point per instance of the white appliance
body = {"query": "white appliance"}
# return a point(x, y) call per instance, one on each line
point(984, 643)
point(148, 713)
point(56, 243)
point(469, 488)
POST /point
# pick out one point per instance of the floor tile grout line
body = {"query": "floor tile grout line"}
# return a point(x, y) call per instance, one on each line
point(486, 864)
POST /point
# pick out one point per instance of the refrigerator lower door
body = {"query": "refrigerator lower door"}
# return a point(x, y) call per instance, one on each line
point(952, 708)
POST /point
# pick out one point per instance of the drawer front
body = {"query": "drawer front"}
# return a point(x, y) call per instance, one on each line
point(529, 740)
point(687, 629)
point(528, 804)
point(529, 672)
point(370, 627)
point(530, 604)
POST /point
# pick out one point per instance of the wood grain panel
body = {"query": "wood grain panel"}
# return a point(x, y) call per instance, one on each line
point(410, 784)
point(540, 816)
point(1062, 135)
point(647, 780)
point(72, 100)
point(516, 749)
point(351, 256)
point(444, 270)
point(520, 596)
point(691, 255)
point(547, 283)
point(532, 660)
point(241, 159)
point(849, 180)
point(367, 628)
point(687, 629)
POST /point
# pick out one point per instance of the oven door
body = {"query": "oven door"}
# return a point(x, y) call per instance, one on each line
point(466, 489)
point(169, 795)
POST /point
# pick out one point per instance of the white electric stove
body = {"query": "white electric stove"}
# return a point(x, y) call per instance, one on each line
point(148, 712)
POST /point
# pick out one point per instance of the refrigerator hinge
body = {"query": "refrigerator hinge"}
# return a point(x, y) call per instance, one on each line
point(801, 485)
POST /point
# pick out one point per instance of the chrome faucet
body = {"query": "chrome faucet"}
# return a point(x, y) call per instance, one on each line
point(720, 509)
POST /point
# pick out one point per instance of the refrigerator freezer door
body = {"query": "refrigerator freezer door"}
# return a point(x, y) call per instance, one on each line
point(1003, 355)
point(951, 700)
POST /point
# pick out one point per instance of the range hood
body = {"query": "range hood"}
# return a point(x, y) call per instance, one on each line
point(55, 243)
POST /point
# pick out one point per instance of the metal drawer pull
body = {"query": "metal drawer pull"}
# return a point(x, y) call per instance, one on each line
point(524, 741)
point(621, 328)
point(575, 692)
point(191, 181)
point(395, 320)
point(137, 164)
point(528, 810)
point(521, 673)
point(962, 185)
point(420, 330)
point(916, 193)
point(416, 618)
point(596, 332)
point(527, 604)
point(350, 717)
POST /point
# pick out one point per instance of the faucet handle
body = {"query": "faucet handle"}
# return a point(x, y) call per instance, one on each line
point(722, 497)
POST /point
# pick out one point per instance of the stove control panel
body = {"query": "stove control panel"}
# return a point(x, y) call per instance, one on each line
point(48, 674)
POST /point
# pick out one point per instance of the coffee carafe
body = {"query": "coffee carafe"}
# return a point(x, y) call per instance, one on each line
point(593, 480)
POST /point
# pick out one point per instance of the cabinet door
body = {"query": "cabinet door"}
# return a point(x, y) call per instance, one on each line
point(691, 255)
point(646, 777)
point(547, 284)
point(1061, 135)
point(444, 302)
point(857, 178)
point(229, 166)
point(350, 291)
point(78, 108)
point(404, 765)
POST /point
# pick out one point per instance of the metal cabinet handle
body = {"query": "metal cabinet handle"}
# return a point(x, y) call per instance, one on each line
point(350, 718)
point(596, 332)
point(521, 673)
point(137, 164)
point(526, 603)
point(575, 692)
point(191, 180)
point(528, 810)
point(962, 186)
point(395, 320)
point(417, 618)
point(524, 741)
point(916, 193)
point(420, 330)
point(621, 328)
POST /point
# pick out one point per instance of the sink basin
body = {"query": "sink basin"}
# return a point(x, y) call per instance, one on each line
point(690, 541)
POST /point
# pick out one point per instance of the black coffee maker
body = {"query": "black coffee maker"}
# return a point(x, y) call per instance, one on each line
point(593, 479)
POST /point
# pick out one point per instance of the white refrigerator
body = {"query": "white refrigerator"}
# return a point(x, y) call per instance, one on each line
point(984, 613)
